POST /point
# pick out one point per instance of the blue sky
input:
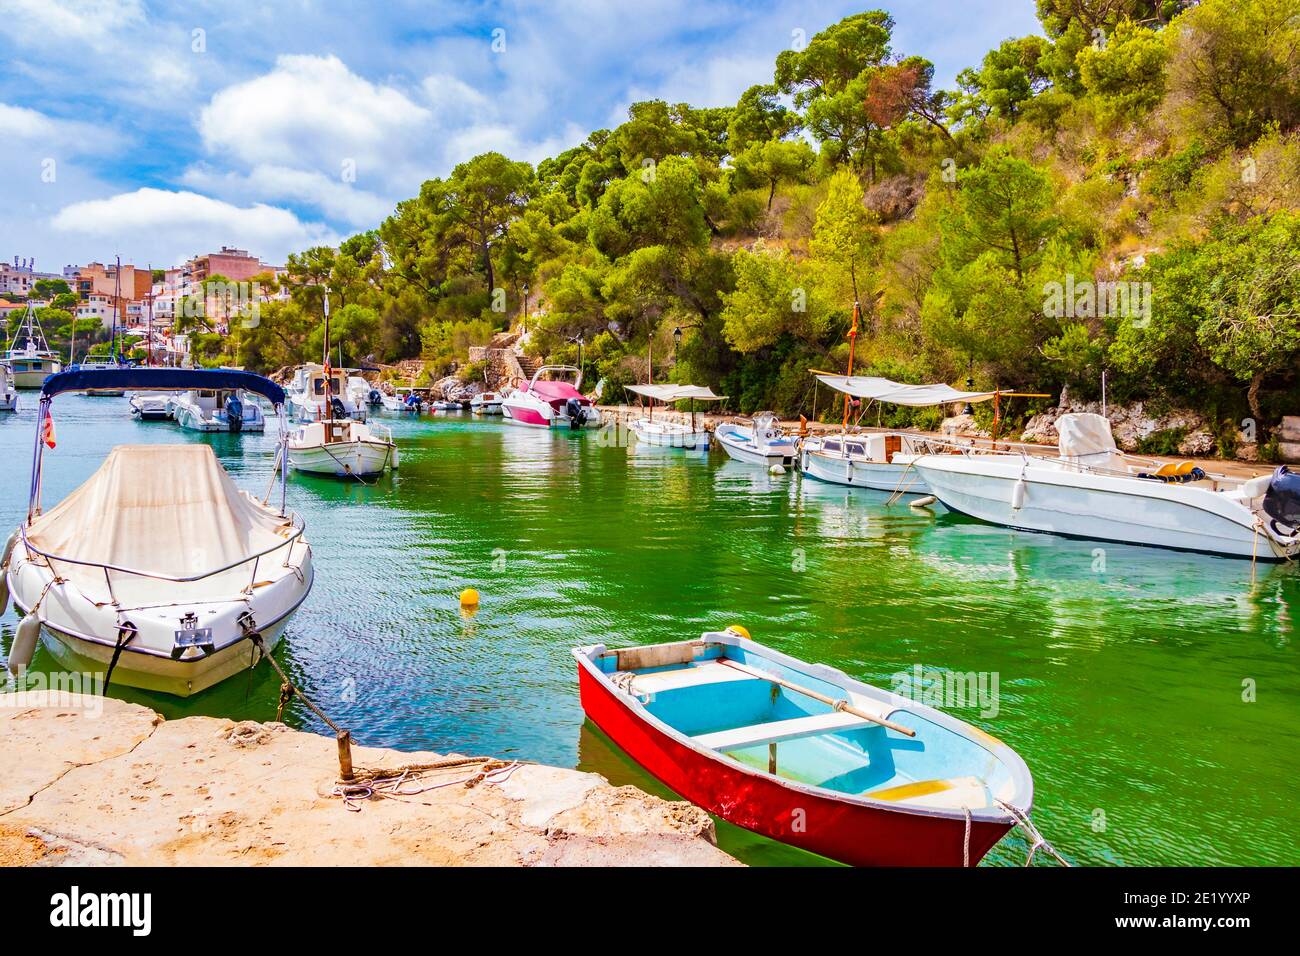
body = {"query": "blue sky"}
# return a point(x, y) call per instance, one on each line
point(157, 130)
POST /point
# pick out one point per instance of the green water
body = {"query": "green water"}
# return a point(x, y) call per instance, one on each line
point(1121, 687)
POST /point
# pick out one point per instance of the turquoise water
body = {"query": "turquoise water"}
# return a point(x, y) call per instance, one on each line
point(1120, 683)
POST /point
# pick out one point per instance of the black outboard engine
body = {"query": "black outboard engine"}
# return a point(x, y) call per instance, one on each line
point(336, 406)
point(577, 414)
point(1282, 500)
point(234, 413)
point(374, 398)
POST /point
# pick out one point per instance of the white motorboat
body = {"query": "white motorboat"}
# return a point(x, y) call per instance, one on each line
point(8, 392)
point(404, 399)
point(33, 361)
point(151, 406)
point(881, 459)
point(760, 443)
point(343, 447)
point(1092, 490)
point(93, 363)
point(158, 571)
point(218, 410)
point(551, 400)
point(316, 393)
point(446, 405)
point(362, 393)
point(666, 432)
point(486, 403)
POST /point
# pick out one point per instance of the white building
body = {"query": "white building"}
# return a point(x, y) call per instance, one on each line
point(21, 277)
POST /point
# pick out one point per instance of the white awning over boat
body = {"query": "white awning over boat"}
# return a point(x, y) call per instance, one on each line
point(676, 393)
point(899, 393)
point(163, 509)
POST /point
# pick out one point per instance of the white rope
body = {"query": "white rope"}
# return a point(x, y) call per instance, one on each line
point(1036, 839)
point(965, 847)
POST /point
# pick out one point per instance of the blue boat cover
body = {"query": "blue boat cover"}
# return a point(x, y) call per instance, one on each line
point(161, 380)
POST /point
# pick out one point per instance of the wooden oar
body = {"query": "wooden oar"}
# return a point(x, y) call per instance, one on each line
point(843, 705)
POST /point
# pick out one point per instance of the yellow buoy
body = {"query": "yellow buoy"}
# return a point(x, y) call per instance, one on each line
point(738, 630)
point(469, 598)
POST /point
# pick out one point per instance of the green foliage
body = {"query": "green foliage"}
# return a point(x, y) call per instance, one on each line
point(1126, 76)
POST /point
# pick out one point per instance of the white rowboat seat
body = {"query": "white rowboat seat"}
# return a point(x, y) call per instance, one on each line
point(706, 672)
point(778, 730)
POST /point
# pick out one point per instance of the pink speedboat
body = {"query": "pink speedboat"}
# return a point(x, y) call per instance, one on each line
point(551, 400)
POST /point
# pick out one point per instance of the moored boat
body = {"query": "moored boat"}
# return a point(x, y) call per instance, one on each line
point(33, 361)
point(551, 399)
point(668, 433)
point(92, 363)
point(151, 406)
point(8, 391)
point(343, 447)
point(486, 403)
point(1092, 490)
point(318, 391)
point(218, 410)
point(804, 754)
point(760, 443)
point(157, 571)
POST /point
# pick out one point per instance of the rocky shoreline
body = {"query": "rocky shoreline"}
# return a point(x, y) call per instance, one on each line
point(99, 781)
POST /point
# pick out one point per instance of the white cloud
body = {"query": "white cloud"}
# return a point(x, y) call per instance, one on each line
point(311, 111)
point(167, 226)
point(336, 199)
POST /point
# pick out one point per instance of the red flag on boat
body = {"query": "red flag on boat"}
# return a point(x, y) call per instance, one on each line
point(47, 433)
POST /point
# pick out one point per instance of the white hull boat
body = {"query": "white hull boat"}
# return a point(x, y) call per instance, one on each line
point(32, 362)
point(669, 434)
point(881, 461)
point(311, 399)
point(485, 403)
point(157, 571)
point(1092, 491)
point(761, 443)
point(151, 406)
point(8, 391)
point(218, 410)
point(342, 448)
point(551, 400)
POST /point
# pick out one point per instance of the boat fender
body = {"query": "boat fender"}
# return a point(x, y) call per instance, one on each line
point(395, 458)
point(1018, 495)
point(9, 548)
point(739, 630)
point(777, 470)
point(24, 645)
point(923, 502)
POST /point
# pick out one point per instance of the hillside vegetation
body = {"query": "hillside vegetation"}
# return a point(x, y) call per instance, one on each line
point(1121, 194)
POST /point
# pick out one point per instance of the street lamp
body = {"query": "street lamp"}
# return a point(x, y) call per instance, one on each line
point(677, 340)
point(970, 386)
point(523, 319)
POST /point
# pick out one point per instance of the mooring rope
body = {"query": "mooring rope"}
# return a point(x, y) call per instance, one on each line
point(1036, 838)
point(396, 783)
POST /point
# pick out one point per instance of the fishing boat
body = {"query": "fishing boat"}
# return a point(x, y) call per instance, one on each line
point(666, 432)
point(878, 459)
point(8, 392)
point(151, 406)
point(1092, 490)
point(804, 754)
point(158, 571)
point(551, 400)
point(759, 443)
point(33, 361)
point(218, 410)
point(316, 391)
point(486, 403)
point(336, 444)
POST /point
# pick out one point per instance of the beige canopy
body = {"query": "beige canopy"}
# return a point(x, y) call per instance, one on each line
point(676, 393)
point(899, 393)
point(165, 509)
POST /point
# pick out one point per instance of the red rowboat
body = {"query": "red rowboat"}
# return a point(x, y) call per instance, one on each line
point(804, 754)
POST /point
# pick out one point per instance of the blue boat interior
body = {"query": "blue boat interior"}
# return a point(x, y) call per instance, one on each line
point(775, 729)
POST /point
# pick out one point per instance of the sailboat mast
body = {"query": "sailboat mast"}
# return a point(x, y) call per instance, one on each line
point(117, 300)
point(853, 339)
point(329, 377)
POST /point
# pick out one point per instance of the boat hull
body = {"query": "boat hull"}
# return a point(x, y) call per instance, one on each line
point(33, 379)
point(857, 473)
point(652, 433)
point(850, 833)
point(742, 450)
point(361, 459)
point(1096, 507)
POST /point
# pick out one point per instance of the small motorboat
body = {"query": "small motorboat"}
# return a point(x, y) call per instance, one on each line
point(157, 571)
point(34, 361)
point(804, 754)
point(92, 363)
point(486, 403)
point(760, 443)
point(8, 391)
point(318, 392)
point(218, 410)
point(446, 405)
point(551, 400)
point(1092, 490)
point(362, 393)
point(343, 447)
point(151, 406)
point(665, 432)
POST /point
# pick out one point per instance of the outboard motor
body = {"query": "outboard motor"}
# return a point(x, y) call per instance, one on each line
point(1282, 501)
point(234, 413)
point(337, 407)
point(374, 398)
point(577, 414)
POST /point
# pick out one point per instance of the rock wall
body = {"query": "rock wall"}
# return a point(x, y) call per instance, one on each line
point(1130, 424)
point(99, 781)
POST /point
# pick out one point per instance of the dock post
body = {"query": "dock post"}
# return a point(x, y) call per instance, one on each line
point(345, 756)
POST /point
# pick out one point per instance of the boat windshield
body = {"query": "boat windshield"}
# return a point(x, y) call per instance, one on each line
point(318, 385)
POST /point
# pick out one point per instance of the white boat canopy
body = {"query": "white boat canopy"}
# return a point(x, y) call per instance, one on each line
point(676, 393)
point(899, 393)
